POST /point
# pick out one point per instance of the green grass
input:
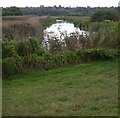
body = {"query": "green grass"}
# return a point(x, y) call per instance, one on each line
point(84, 90)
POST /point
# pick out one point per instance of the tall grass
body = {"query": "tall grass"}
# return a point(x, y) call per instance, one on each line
point(104, 34)
point(79, 21)
point(21, 28)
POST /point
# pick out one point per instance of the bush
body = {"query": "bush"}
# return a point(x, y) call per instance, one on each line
point(34, 44)
point(104, 34)
point(29, 47)
point(8, 66)
point(104, 14)
point(12, 65)
point(71, 57)
point(8, 49)
point(24, 48)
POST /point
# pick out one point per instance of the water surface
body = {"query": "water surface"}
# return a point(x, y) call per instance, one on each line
point(59, 31)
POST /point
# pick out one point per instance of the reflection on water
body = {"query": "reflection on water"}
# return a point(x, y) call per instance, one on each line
point(59, 31)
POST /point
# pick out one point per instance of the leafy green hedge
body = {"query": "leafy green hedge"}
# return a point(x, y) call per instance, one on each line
point(18, 64)
point(12, 65)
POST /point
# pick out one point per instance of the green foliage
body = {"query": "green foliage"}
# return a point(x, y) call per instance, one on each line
point(11, 11)
point(95, 26)
point(100, 26)
point(29, 61)
point(12, 65)
point(82, 22)
point(29, 47)
point(24, 48)
point(34, 44)
point(48, 21)
point(19, 64)
point(104, 34)
point(71, 57)
point(8, 66)
point(104, 14)
point(97, 54)
point(8, 49)
point(28, 55)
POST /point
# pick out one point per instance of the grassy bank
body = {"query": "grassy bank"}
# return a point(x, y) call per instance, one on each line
point(86, 89)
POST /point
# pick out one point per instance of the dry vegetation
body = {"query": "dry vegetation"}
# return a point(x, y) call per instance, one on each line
point(22, 27)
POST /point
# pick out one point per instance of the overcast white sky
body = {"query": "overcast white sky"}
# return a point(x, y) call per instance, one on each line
point(72, 3)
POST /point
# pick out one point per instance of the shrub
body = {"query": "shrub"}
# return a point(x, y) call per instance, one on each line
point(57, 60)
point(104, 34)
point(98, 54)
point(12, 65)
point(19, 64)
point(24, 48)
point(8, 49)
point(29, 47)
point(104, 14)
point(16, 64)
point(34, 44)
point(71, 57)
point(41, 63)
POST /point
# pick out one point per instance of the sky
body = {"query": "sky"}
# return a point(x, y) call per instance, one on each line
point(65, 3)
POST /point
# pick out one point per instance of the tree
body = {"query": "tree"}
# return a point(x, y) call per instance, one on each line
point(11, 11)
point(104, 14)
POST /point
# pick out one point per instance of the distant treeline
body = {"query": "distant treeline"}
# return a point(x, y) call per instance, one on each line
point(55, 10)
